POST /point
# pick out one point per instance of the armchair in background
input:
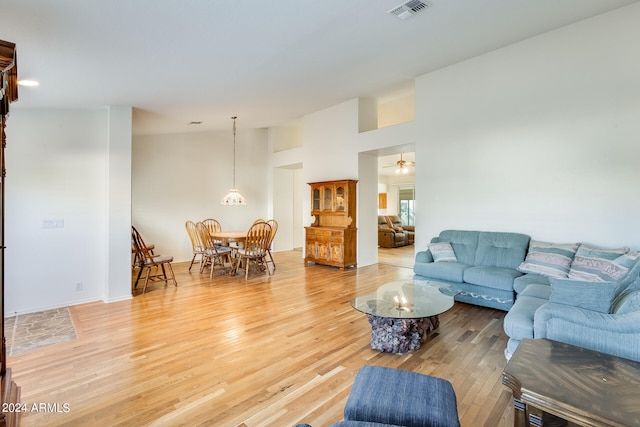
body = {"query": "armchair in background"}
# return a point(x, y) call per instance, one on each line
point(395, 222)
point(387, 236)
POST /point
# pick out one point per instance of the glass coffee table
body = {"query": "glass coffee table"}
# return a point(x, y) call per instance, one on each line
point(403, 312)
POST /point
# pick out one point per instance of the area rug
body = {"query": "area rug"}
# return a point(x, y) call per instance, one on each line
point(27, 332)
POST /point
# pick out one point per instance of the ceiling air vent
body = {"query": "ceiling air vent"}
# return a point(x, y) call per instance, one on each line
point(409, 8)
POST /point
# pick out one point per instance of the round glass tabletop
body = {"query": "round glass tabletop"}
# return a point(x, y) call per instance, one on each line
point(407, 299)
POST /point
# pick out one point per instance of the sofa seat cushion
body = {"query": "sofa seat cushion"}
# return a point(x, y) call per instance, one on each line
point(491, 277)
point(449, 271)
point(520, 283)
point(518, 323)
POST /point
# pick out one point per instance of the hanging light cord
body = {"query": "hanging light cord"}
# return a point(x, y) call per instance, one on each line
point(234, 150)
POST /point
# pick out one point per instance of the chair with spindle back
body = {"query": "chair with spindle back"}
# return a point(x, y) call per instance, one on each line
point(213, 253)
point(146, 259)
point(255, 247)
point(274, 228)
point(196, 242)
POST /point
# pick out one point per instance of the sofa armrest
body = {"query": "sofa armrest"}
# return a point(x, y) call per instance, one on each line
point(617, 334)
point(386, 238)
point(424, 256)
point(409, 228)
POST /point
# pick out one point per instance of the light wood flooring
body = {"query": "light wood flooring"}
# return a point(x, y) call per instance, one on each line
point(269, 351)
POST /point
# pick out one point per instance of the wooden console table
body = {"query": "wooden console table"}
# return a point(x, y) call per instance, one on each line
point(553, 382)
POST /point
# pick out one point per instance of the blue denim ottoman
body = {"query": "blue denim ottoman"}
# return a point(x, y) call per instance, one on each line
point(387, 396)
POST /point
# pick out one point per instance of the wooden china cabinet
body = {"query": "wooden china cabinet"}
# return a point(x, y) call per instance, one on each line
point(331, 239)
point(9, 391)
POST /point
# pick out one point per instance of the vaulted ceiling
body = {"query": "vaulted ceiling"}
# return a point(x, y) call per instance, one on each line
point(269, 62)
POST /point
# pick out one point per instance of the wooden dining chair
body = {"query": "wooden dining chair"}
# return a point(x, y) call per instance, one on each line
point(255, 247)
point(160, 264)
point(196, 242)
point(274, 228)
point(214, 227)
point(213, 254)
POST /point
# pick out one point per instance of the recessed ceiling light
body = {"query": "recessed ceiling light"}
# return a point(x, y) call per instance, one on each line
point(28, 83)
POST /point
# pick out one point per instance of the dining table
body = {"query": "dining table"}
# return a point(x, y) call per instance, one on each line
point(229, 236)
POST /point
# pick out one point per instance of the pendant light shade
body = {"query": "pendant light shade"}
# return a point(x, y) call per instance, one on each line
point(234, 198)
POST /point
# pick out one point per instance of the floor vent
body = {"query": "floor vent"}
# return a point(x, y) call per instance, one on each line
point(409, 8)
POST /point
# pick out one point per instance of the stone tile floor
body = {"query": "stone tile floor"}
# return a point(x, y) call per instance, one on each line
point(26, 332)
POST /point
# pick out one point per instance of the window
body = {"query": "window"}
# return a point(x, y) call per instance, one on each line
point(407, 208)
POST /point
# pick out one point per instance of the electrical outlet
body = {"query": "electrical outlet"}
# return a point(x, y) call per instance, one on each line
point(79, 286)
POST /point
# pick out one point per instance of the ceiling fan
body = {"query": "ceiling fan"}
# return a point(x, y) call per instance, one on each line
point(402, 166)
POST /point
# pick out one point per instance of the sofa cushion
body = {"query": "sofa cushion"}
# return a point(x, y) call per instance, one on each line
point(449, 271)
point(491, 277)
point(442, 252)
point(520, 283)
point(501, 249)
point(548, 259)
point(598, 265)
point(595, 296)
point(464, 243)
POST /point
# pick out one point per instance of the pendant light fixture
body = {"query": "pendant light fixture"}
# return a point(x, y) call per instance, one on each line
point(234, 198)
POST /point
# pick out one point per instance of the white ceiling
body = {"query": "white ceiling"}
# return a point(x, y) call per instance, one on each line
point(269, 62)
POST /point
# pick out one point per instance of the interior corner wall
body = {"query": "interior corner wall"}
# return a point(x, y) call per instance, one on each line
point(57, 171)
point(283, 210)
point(118, 283)
point(539, 137)
point(330, 150)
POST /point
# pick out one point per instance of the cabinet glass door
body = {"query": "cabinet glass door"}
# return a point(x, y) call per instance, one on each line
point(328, 198)
point(315, 199)
point(340, 198)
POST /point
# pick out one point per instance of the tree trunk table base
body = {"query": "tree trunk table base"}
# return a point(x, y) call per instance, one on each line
point(400, 335)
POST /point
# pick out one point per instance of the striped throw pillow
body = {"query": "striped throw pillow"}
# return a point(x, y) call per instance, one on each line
point(549, 259)
point(442, 252)
point(593, 264)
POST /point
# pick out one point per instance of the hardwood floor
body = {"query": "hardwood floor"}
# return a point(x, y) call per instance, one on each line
point(269, 351)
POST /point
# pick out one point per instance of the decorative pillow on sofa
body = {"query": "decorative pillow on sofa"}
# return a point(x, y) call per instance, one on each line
point(442, 252)
point(548, 259)
point(595, 296)
point(593, 264)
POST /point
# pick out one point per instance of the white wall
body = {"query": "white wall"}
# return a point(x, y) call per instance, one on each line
point(540, 137)
point(58, 169)
point(183, 177)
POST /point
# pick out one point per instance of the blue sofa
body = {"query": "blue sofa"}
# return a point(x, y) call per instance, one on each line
point(573, 293)
point(485, 266)
point(601, 316)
